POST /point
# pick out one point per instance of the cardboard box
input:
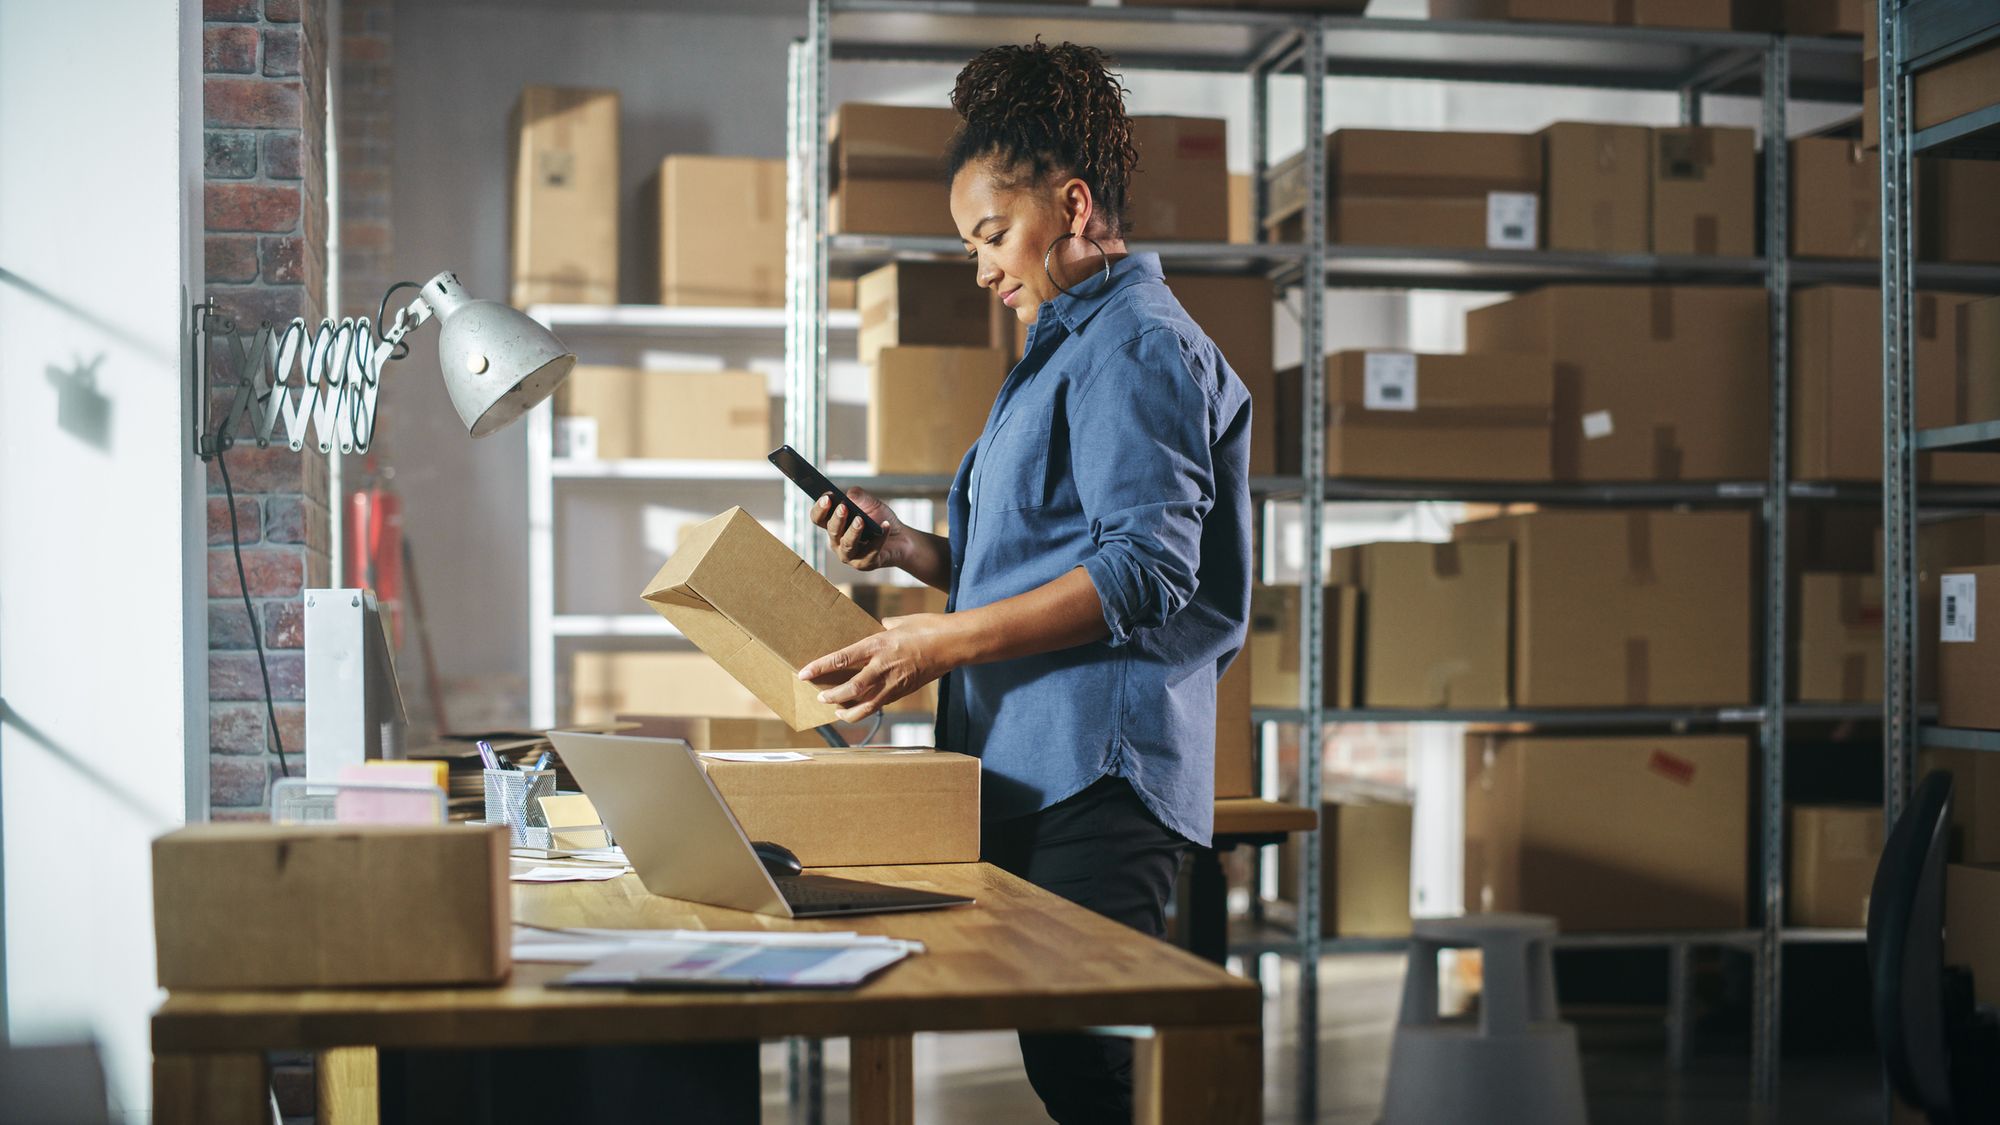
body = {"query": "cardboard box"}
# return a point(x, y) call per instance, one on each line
point(884, 602)
point(1242, 223)
point(1705, 191)
point(1180, 189)
point(331, 906)
point(1407, 187)
point(1400, 416)
point(858, 808)
point(1235, 735)
point(928, 406)
point(1628, 608)
point(604, 685)
point(1840, 638)
point(1434, 620)
point(1951, 544)
point(888, 170)
point(759, 611)
point(1834, 849)
point(923, 303)
point(1836, 199)
point(1955, 221)
point(1968, 650)
point(1273, 645)
point(1975, 801)
point(1714, 15)
point(1652, 383)
point(1598, 187)
point(1364, 868)
point(721, 222)
point(708, 732)
point(1826, 17)
point(1238, 313)
point(1978, 339)
point(1608, 834)
point(563, 203)
point(671, 415)
point(1560, 11)
point(1972, 928)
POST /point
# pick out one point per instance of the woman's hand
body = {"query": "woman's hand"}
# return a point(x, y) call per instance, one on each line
point(844, 529)
point(908, 653)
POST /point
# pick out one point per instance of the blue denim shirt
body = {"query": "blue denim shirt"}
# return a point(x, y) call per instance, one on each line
point(1119, 444)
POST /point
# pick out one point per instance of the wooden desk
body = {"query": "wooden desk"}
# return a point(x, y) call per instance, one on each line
point(1238, 821)
point(1021, 958)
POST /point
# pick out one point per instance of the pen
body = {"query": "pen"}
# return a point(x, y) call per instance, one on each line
point(542, 762)
point(486, 754)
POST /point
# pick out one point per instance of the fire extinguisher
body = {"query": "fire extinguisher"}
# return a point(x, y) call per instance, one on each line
point(375, 544)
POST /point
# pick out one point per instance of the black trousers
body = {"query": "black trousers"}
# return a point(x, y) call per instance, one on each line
point(1102, 850)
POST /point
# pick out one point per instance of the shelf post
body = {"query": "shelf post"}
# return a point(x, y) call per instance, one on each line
point(1899, 556)
point(806, 184)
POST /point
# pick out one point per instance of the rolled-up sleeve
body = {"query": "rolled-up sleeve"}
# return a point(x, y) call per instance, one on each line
point(1144, 472)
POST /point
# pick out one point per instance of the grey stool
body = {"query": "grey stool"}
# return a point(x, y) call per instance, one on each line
point(1519, 1063)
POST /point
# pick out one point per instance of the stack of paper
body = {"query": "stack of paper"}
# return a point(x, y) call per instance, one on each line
point(711, 959)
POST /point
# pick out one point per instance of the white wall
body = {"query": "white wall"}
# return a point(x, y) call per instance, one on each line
point(101, 542)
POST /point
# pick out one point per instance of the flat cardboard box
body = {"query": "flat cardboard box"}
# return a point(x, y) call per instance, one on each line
point(1834, 849)
point(1235, 735)
point(1434, 622)
point(1705, 191)
point(671, 415)
point(1273, 645)
point(1968, 650)
point(1975, 801)
point(1598, 187)
point(721, 222)
point(604, 685)
point(1826, 17)
point(1559, 11)
point(1972, 927)
point(1413, 187)
point(1365, 848)
point(863, 807)
point(759, 611)
point(884, 602)
point(1180, 189)
point(711, 732)
point(1399, 416)
point(255, 906)
point(1978, 338)
point(1653, 383)
point(1609, 834)
point(1238, 313)
point(1836, 199)
point(888, 170)
point(1628, 608)
point(936, 304)
point(1840, 638)
point(928, 406)
point(563, 202)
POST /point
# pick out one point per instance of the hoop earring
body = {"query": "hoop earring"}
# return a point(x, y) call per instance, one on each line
point(1049, 254)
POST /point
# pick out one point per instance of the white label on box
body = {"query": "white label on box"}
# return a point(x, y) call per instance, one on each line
point(1961, 608)
point(1597, 424)
point(1389, 381)
point(576, 438)
point(1510, 220)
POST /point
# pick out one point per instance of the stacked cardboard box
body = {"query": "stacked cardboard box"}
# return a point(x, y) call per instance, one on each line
point(1598, 187)
point(1391, 187)
point(1955, 208)
point(888, 170)
point(1969, 647)
point(1401, 416)
point(710, 732)
point(1180, 188)
point(1836, 199)
point(1434, 622)
point(1237, 313)
point(1365, 846)
point(928, 406)
point(1840, 638)
point(1652, 383)
point(858, 808)
point(564, 197)
point(1628, 608)
point(1943, 546)
point(1609, 834)
point(1834, 849)
point(1705, 191)
point(938, 304)
point(1979, 355)
point(720, 225)
point(1273, 651)
point(623, 412)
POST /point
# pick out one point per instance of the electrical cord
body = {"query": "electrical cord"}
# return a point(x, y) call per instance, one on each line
point(250, 612)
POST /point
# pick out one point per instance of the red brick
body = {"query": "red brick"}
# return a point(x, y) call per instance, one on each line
point(281, 154)
point(233, 676)
point(229, 50)
point(286, 520)
point(250, 207)
point(276, 469)
point(233, 11)
point(281, 11)
point(228, 154)
point(246, 520)
point(236, 728)
point(251, 103)
point(273, 572)
point(263, 304)
point(283, 259)
point(284, 625)
point(281, 52)
point(228, 626)
point(238, 782)
point(292, 727)
point(230, 259)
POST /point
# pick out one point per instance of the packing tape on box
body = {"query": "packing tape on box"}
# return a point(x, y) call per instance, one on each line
point(1446, 561)
point(1927, 316)
point(1686, 153)
point(1639, 546)
point(1667, 457)
point(1662, 313)
point(1854, 677)
point(1638, 671)
point(1961, 368)
point(1707, 234)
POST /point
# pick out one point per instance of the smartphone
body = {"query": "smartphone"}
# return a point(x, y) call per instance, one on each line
point(814, 483)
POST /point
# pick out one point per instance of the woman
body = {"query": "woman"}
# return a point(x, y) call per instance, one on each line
point(1098, 562)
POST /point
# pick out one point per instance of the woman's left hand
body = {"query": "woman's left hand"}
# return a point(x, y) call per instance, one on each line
point(908, 653)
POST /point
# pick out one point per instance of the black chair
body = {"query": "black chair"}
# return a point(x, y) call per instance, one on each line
point(1941, 1053)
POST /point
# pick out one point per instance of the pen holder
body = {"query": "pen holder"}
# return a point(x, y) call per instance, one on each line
point(513, 799)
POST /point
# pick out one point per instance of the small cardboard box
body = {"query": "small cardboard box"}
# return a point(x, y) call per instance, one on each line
point(1609, 834)
point(564, 197)
point(1950, 544)
point(1401, 416)
point(1628, 608)
point(1238, 313)
point(1364, 868)
point(721, 226)
point(1235, 735)
point(1654, 383)
point(1834, 849)
point(604, 685)
point(884, 602)
point(1180, 189)
point(1975, 801)
point(1826, 17)
point(1979, 356)
point(858, 808)
point(928, 405)
point(1273, 645)
point(1434, 622)
point(864, 205)
point(759, 611)
point(331, 906)
point(714, 732)
point(888, 170)
point(938, 304)
point(1968, 641)
point(1840, 638)
point(671, 415)
point(1705, 191)
point(1406, 187)
point(1972, 927)
point(1598, 187)
point(1836, 199)
point(1955, 209)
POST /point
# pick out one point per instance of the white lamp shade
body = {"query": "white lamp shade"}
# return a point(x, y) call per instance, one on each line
point(497, 362)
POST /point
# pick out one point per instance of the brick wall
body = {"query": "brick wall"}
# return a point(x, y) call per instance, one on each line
point(366, 136)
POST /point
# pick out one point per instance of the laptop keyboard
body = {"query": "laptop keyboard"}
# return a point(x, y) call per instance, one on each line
point(825, 890)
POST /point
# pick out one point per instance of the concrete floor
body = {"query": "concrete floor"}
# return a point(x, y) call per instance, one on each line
point(976, 1079)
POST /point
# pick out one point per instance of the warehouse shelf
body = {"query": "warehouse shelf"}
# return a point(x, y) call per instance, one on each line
point(1833, 712)
point(1820, 935)
point(1960, 277)
point(1972, 136)
point(1958, 738)
point(1634, 493)
point(720, 472)
point(1573, 717)
point(666, 319)
point(951, 31)
point(1404, 267)
point(1973, 437)
point(1936, 497)
point(850, 255)
point(613, 625)
point(1935, 32)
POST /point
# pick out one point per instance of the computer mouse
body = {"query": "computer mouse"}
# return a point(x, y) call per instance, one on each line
point(777, 858)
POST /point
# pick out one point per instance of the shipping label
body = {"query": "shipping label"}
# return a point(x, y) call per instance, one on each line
point(1960, 624)
point(1389, 381)
point(576, 438)
point(1511, 220)
point(1597, 424)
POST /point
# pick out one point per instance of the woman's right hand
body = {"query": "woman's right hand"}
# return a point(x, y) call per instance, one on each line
point(843, 530)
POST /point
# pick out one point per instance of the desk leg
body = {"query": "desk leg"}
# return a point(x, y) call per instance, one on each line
point(1199, 1076)
point(1208, 907)
point(350, 1090)
point(881, 1080)
point(212, 1089)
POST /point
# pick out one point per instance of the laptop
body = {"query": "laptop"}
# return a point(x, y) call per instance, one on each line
point(683, 841)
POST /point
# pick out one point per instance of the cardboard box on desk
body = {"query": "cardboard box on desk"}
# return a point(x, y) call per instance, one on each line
point(721, 733)
point(1406, 187)
point(1840, 638)
point(1834, 849)
point(1597, 187)
point(1975, 801)
point(924, 303)
point(331, 906)
point(564, 197)
point(858, 808)
point(1705, 191)
point(1400, 416)
point(606, 684)
point(1272, 648)
point(928, 405)
point(1628, 608)
point(1609, 834)
point(1180, 189)
point(1968, 641)
point(759, 611)
point(1652, 383)
point(1238, 314)
point(1836, 199)
point(1434, 622)
point(669, 415)
point(721, 231)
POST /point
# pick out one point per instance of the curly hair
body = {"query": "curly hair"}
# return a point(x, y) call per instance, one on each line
point(1040, 111)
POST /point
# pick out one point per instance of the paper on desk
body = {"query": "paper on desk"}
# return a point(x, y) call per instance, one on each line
point(758, 756)
point(704, 963)
point(572, 873)
point(582, 946)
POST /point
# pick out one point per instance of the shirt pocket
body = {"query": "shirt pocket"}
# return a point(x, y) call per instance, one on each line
point(1014, 470)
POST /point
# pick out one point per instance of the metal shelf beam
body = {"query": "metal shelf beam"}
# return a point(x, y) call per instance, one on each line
point(1958, 738)
point(1974, 437)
